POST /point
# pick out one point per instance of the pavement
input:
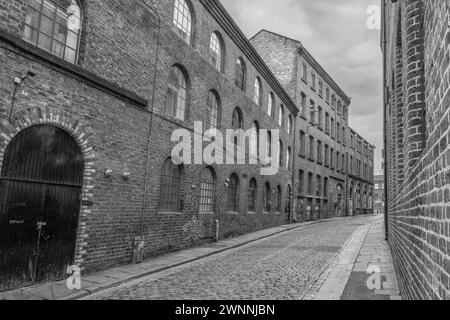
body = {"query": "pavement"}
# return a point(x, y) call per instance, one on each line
point(314, 260)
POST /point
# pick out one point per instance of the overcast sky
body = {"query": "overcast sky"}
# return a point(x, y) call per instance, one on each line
point(336, 34)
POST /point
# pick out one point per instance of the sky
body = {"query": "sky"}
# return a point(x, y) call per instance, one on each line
point(335, 32)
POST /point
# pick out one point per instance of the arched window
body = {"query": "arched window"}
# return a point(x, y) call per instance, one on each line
point(177, 94)
point(267, 198)
point(252, 192)
point(54, 26)
point(269, 144)
point(271, 106)
point(257, 95)
point(170, 191)
point(182, 19)
point(213, 111)
point(232, 193)
point(288, 158)
point(279, 197)
point(254, 145)
point(281, 116)
point(207, 191)
point(240, 74)
point(216, 51)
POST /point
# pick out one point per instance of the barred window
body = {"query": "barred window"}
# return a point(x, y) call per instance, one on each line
point(271, 106)
point(257, 95)
point(279, 199)
point(232, 193)
point(216, 51)
point(170, 194)
point(177, 94)
point(252, 191)
point(54, 26)
point(290, 124)
point(213, 111)
point(267, 198)
point(207, 191)
point(182, 19)
point(241, 73)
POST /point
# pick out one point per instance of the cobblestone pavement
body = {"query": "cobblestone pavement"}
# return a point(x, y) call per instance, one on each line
point(283, 267)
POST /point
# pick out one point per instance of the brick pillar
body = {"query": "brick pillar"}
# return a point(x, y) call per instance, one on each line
point(414, 133)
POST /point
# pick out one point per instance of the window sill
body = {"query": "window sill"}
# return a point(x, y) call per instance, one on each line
point(251, 212)
point(234, 213)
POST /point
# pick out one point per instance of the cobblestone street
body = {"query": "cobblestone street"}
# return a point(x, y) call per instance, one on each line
point(285, 266)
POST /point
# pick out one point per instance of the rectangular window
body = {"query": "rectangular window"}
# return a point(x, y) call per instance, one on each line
point(312, 110)
point(332, 128)
point(313, 81)
point(332, 158)
point(327, 123)
point(303, 104)
point(325, 188)
point(327, 155)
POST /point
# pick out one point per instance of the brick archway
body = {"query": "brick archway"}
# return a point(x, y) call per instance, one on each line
point(62, 119)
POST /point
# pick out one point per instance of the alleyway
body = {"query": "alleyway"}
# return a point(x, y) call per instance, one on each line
point(286, 266)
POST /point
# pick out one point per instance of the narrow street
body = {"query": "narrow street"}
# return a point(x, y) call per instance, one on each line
point(283, 267)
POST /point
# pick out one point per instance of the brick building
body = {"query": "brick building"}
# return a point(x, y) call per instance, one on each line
point(333, 165)
point(415, 43)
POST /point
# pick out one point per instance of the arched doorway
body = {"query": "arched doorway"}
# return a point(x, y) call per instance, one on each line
point(40, 194)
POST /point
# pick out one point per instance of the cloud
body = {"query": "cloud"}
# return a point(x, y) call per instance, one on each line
point(336, 34)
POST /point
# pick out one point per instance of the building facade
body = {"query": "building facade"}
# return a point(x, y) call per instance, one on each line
point(416, 48)
point(333, 165)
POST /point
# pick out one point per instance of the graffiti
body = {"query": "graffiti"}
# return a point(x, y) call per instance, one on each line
point(194, 230)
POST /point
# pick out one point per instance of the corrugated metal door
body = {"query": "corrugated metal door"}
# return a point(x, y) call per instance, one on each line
point(40, 190)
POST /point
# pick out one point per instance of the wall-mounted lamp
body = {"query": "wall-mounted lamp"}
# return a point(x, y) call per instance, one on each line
point(108, 173)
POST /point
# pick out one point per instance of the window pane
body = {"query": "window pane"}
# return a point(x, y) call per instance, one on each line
point(31, 35)
point(45, 42)
point(215, 49)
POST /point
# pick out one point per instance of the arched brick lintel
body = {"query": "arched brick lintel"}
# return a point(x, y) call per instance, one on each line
point(60, 118)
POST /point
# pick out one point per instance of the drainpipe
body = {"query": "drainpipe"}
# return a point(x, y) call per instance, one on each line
point(144, 202)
